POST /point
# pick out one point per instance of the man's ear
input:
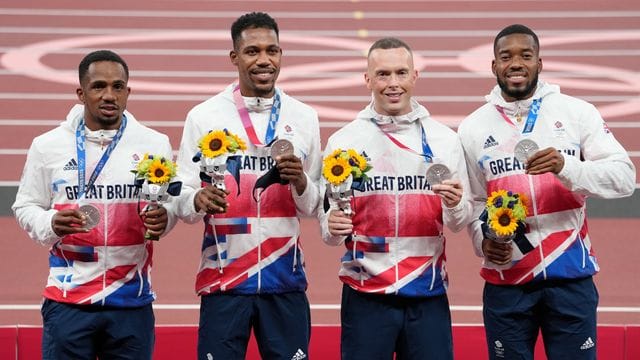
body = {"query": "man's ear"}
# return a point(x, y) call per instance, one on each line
point(234, 57)
point(80, 94)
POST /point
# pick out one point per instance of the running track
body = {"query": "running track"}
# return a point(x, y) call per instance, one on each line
point(178, 54)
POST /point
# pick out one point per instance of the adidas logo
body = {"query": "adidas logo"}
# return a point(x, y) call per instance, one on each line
point(588, 344)
point(71, 165)
point(299, 355)
point(490, 142)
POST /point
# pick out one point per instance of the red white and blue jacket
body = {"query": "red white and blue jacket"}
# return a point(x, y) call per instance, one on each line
point(110, 265)
point(255, 246)
point(595, 165)
point(398, 246)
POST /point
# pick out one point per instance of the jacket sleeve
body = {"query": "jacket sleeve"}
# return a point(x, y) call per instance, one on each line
point(605, 170)
point(477, 195)
point(307, 203)
point(457, 217)
point(188, 173)
point(167, 152)
point(32, 207)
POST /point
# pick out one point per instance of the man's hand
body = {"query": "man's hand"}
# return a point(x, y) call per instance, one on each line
point(497, 252)
point(290, 168)
point(450, 191)
point(543, 161)
point(67, 222)
point(155, 221)
point(339, 223)
point(211, 200)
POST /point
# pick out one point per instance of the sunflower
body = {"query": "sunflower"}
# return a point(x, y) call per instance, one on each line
point(214, 143)
point(336, 170)
point(239, 143)
point(503, 222)
point(336, 153)
point(357, 160)
point(495, 195)
point(159, 172)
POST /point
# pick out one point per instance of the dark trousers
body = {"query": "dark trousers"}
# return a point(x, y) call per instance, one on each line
point(281, 324)
point(563, 310)
point(90, 331)
point(377, 326)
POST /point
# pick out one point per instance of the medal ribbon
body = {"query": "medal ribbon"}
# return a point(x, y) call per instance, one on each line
point(81, 153)
point(532, 117)
point(246, 120)
point(426, 149)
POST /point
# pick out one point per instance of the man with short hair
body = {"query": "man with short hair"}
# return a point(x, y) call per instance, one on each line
point(554, 150)
point(252, 272)
point(394, 278)
point(77, 195)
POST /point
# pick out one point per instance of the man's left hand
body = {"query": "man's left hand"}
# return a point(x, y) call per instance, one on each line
point(290, 168)
point(544, 161)
point(450, 191)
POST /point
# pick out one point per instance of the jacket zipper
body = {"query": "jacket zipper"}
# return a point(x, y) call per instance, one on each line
point(534, 204)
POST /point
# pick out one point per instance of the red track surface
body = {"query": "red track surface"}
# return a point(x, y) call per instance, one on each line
point(323, 43)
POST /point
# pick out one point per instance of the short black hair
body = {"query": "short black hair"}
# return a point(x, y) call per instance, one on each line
point(100, 55)
point(389, 43)
point(253, 20)
point(516, 29)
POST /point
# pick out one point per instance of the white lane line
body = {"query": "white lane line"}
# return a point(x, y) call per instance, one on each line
point(328, 53)
point(337, 33)
point(325, 14)
point(306, 98)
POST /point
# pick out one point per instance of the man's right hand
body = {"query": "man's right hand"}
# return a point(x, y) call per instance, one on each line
point(497, 252)
point(67, 222)
point(211, 200)
point(339, 223)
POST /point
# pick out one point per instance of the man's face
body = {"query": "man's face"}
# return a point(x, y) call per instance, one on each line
point(391, 78)
point(257, 56)
point(104, 93)
point(516, 66)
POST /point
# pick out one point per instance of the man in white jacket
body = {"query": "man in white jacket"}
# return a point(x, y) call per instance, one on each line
point(78, 196)
point(394, 276)
point(542, 280)
point(251, 273)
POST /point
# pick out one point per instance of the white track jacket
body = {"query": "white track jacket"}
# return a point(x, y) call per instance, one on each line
point(595, 165)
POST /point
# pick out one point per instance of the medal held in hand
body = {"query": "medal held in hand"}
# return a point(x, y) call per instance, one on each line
point(281, 147)
point(91, 216)
point(524, 149)
point(437, 173)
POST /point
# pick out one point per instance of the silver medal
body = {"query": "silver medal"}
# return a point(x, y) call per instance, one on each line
point(281, 147)
point(91, 215)
point(524, 149)
point(437, 173)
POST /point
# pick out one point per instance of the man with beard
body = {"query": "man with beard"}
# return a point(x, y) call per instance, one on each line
point(555, 151)
point(251, 274)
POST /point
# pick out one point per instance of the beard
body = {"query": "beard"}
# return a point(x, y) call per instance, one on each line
point(519, 94)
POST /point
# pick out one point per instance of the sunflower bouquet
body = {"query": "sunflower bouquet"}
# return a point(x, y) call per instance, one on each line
point(345, 170)
point(220, 142)
point(154, 175)
point(506, 211)
point(215, 156)
point(155, 169)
